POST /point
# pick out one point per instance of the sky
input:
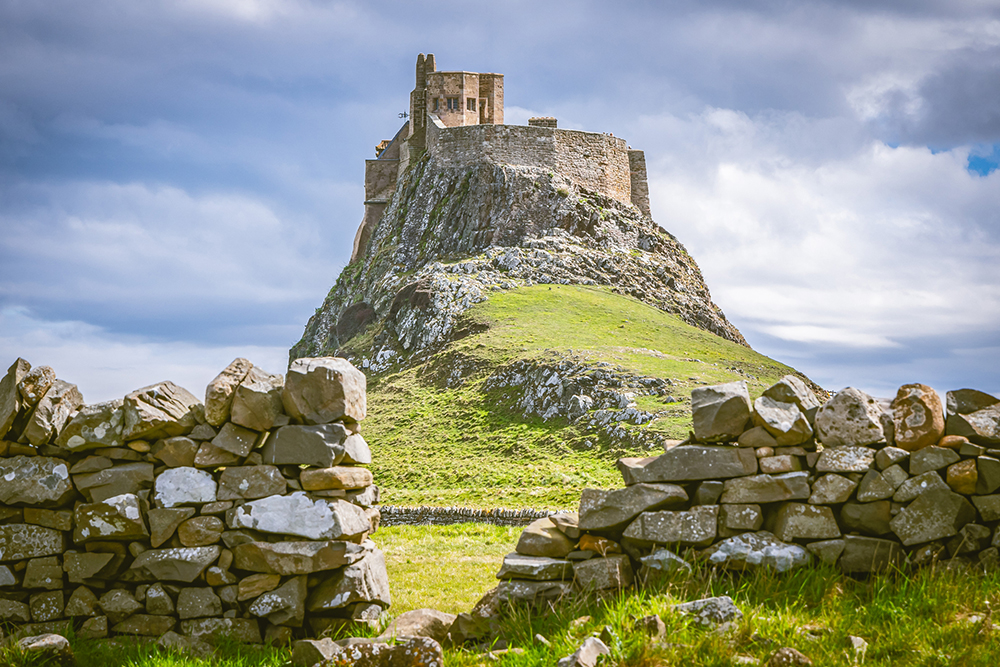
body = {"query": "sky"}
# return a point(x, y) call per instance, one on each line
point(180, 182)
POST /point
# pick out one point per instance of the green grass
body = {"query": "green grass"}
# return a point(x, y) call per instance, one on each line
point(436, 443)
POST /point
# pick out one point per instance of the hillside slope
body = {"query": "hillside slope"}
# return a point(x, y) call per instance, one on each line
point(520, 334)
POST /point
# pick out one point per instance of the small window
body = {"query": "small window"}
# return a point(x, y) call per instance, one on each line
point(453, 104)
point(470, 104)
point(436, 101)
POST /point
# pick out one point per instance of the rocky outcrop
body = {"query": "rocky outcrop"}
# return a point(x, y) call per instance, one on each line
point(144, 517)
point(451, 236)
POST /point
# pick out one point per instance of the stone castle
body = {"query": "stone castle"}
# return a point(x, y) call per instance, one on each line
point(457, 119)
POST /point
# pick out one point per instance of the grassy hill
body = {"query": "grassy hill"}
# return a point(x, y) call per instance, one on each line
point(441, 436)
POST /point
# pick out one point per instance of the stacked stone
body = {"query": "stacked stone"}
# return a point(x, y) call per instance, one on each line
point(782, 481)
point(246, 515)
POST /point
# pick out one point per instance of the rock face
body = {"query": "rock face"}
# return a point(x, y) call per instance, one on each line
point(179, 525)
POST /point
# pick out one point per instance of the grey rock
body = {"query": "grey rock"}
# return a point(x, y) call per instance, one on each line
point(756, 437)
point(181, 564)
point(45, 572)
point(297, 514)
point(693, 463)
point(47, 606)
point(292, 558)
point(760, 550)
point(543, 538)
point(988, 471)
point(308, 652)
point(48, 649)
point(988, 506)
point(807, 522)
point(364, 581)
point(285, 605)
point(972, 538)
point(324, 389)
point(710, 611)
point(320, 446)
point(791, 389)
point(160, 410)
point(867, 518)
point(52, 412)
point(12, 611)
point(366, 653)
point(914, 486)
point(536, 568)
point(766, 488)
point(158, 601)
point(845, 458)
point(118, 605)
point(82, 602)
point(356, 450)
point(981, 427)
point(93, 426)
point(164, 521)
point(250, 482)
point(176, 452)
point(610, 510)
point(114, 481)
point(530, 592)
point(246, 630)
point(83, 566)
point(662, 562)
point(118, 518)
point(931, 458)
point(827, 551)
point(707, 493)
point(874, 486)
point(850, 418)
point(935, 514)
point(587, 655)
point(34, 480)
point(696, 526)
point(609, 573)
point(735, 519)
point(20, 541)
point(870, 554)
point(419, 623)
point(784, 421)
point(145, 625)
point(720, 412)
point(235, 439)
point(832, 489)
point(221, 390)
point(10, 397)
point(890, 456)
point(257, 400)
point(184, 486)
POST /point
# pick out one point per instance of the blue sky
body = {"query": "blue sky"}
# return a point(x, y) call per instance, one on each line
point(180, 181)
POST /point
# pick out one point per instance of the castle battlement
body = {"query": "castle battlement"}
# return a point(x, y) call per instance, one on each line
point(456, 118)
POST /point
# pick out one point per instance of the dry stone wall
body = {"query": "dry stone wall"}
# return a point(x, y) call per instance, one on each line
point(159, 515)
point(781, 482)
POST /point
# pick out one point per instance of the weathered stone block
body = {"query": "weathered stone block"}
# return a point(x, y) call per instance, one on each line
point(250, 482)
point(543, 538)
point(34, 480)
point(324, 389)
point(869, 554)
point(809, 522)
point(918, 417)
point(364, 581)
point(850, 418)
point(720, 413)
point(221, 390)
point(766, 488)
point(931, 458)
point(292, 558)
point(297, 514)
point(845, 458)
point(21, 541)
point(695, 462)
point(610, 510)
point(320, 445)
point(609, 573)
point(696, 526)
point(784, 421)
point(832, 489)
point(933, 515)
point(160, 410)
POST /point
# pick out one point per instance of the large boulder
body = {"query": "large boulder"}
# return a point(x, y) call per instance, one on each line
point(720, 412)
point(257, 400)
point(851, 417)
point(690, 463)
point(93, 426)
point(52, 412)
point(297, 514)
point(220, 391)
point(160, 410)
point(784, 421)
point(324, 389)
point(611, 510)
point(34, 480)
point(917, 417)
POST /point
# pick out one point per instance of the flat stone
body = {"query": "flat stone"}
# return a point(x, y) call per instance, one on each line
point(324, 389)
point(774, 465)
point(46, 606)
point(47, 649)
point(784, 421)
point(200, 531)
point(662, 562)
point(827, 551)
point(517, 591)
point(988, 506)
point(52, 412)
point(256, 585)
point(284, 605)
point(832, 489)
point(845, 458)
point(198, 603)
point(158, 601)
point(981, 427)
point(20, 541)
point(536, 568)
point(608, 573)
point(543, 538)
point(696, 526)
point(246, 630)
point(419, 623)
point(257, 400)
point(695, 462)
point(415, 651)
point(736, 519)
point(45, 572)
point(91, 464)
point(850, 418)
point(870, 554)
point(766, 488)
point(356, 450)
point(118, 605)
point(82, 602)
point(874, 486)
point(145, 625)
point(80, 567)
point(160, 410)
point(320, 446)
point(220, 391)
point(918, 417)
point(756, 437)
point(235, 439)
point(337, 477)
point(292, 558)
point(868, 518)
point(611, 510)
point(10, 397)
point(751, 551)
point(935, 514)
point(12, 611)
point(988, 474)
point(184, 486)
point(962, 477)
point(931, 458)
point(210, 456)
point(720, 412)
point(60, 520)
point(707, 493)
point(34, 480)
point(364, 581)
point(710, 611)
point(297, 514)
point(807, 522)
point(93, 426)
point(890, 456)
point(183, 564)
point(163, 522)
point(915, 486)
point(114, 481)
point(250, 482)
point(118, 518)
point(176, 452)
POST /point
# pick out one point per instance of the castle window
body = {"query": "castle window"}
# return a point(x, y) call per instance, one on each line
point(470, 104)
point(436, 101)
point(453, 104)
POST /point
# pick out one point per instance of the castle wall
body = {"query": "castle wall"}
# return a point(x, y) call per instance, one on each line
point(637, 176)
point(595, 161)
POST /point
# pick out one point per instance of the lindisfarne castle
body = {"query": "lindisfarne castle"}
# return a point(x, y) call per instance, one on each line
point(457, 118)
